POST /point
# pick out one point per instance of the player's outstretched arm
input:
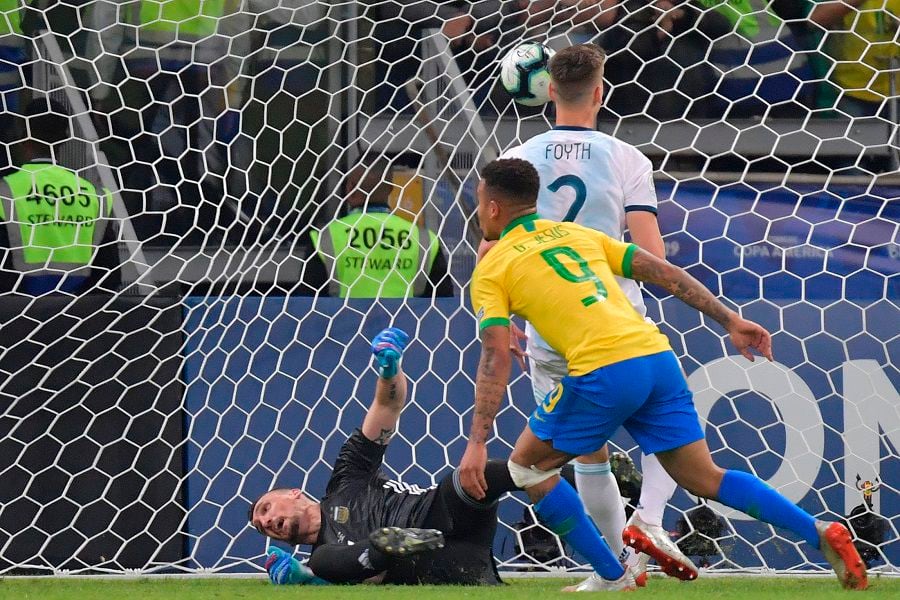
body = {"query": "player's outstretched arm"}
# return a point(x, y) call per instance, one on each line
point(380, 423)
point(494, 369)
point(745, 335)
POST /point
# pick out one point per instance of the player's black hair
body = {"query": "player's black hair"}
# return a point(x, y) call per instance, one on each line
point(47, 121)
point(376, 161)
point(513, 179)
point(252, 510)
point(370, 175)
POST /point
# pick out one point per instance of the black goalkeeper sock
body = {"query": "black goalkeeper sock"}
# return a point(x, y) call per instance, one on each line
point(377, 560)
point(499, 482)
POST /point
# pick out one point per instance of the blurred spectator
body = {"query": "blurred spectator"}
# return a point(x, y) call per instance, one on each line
point(473, 29)
point(658, 63)
point(478, 33)
point(12, 51)
point(589, 16)
point(761, 59)
point(56, 228)
point(284, 124)
point(372, 253)
point(397, 29)
point(12, 59)
point(179, 70)
point(863, 43)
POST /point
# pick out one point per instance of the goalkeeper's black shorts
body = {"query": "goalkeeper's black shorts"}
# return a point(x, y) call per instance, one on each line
point(469, 526)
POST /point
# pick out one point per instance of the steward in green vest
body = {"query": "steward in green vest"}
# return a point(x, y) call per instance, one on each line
point(179, 30)
point(12, 60)
point(12, 44)
point(372, 253)
point(187, 55)
point(56, 227)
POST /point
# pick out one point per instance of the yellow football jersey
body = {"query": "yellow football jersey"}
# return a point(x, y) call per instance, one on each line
point(559, 276)
point(863, 46)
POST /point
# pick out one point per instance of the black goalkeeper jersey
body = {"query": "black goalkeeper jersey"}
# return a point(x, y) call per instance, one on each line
point(360, 498)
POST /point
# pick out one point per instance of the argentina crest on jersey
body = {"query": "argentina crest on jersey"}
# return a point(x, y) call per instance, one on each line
point(340, 514)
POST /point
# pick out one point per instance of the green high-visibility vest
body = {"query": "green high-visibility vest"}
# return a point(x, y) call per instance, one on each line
point(10, 17)
point(189, 18)
point(54, 219)
point(376, 254)
point(742, 14)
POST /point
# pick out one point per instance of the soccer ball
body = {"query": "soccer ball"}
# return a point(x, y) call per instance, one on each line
point(524, 73)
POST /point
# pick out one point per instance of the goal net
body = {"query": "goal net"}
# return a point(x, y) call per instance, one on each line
point(144, 409)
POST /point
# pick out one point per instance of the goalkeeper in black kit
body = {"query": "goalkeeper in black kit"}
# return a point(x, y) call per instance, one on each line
point(367, 528)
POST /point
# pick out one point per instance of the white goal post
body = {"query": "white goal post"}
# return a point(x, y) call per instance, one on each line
point(138, 423)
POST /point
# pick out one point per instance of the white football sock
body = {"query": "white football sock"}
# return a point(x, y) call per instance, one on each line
point(600, 493)
point(656, 490)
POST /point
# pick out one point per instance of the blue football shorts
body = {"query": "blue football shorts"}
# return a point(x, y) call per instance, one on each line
point(647, 395)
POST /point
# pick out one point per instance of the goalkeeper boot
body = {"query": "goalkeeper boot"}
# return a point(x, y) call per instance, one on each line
point(403, 541)
point(595, 583)
point(837, 546)
point(655, 541)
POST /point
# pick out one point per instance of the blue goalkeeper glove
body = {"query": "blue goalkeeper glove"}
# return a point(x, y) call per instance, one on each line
point(388, 347)
point(284, 569)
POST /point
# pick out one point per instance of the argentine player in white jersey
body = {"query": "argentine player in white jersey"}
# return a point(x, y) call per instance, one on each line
point(600, 182)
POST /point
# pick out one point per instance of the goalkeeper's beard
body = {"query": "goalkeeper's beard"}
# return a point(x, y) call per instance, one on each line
point(294, 535)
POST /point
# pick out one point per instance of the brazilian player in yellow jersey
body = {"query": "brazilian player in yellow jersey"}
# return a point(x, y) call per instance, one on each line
point(533, 255)
point(622, 372)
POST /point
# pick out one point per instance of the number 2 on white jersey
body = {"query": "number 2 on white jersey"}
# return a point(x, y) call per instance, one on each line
point(577, 184)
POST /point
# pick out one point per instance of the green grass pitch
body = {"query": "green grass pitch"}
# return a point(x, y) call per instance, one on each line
point(537, 588)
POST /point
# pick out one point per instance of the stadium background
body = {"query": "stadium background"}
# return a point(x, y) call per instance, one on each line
point(138, 425)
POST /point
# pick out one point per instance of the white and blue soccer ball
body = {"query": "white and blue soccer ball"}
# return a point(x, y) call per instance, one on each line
point(524, 73)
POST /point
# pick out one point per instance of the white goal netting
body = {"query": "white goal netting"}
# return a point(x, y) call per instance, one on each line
point(144, 407)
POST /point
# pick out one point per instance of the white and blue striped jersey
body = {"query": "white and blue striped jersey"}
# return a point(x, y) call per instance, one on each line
point(592, 179)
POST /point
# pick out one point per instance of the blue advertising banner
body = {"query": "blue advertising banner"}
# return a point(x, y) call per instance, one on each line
point(274, 385)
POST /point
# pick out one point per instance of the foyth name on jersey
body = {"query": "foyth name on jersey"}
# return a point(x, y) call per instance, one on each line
point(574, 151)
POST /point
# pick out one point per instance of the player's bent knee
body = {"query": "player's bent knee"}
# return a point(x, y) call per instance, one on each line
point(703, 483)
point(526, 477)
point(599, 457)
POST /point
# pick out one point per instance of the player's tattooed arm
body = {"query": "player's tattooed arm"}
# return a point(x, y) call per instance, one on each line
point(380, 423)
point(494, 369)
point(679, 283)
point(385, 436)
point(745, 335)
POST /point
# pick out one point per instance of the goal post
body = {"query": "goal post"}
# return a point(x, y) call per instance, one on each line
point(138, 424)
